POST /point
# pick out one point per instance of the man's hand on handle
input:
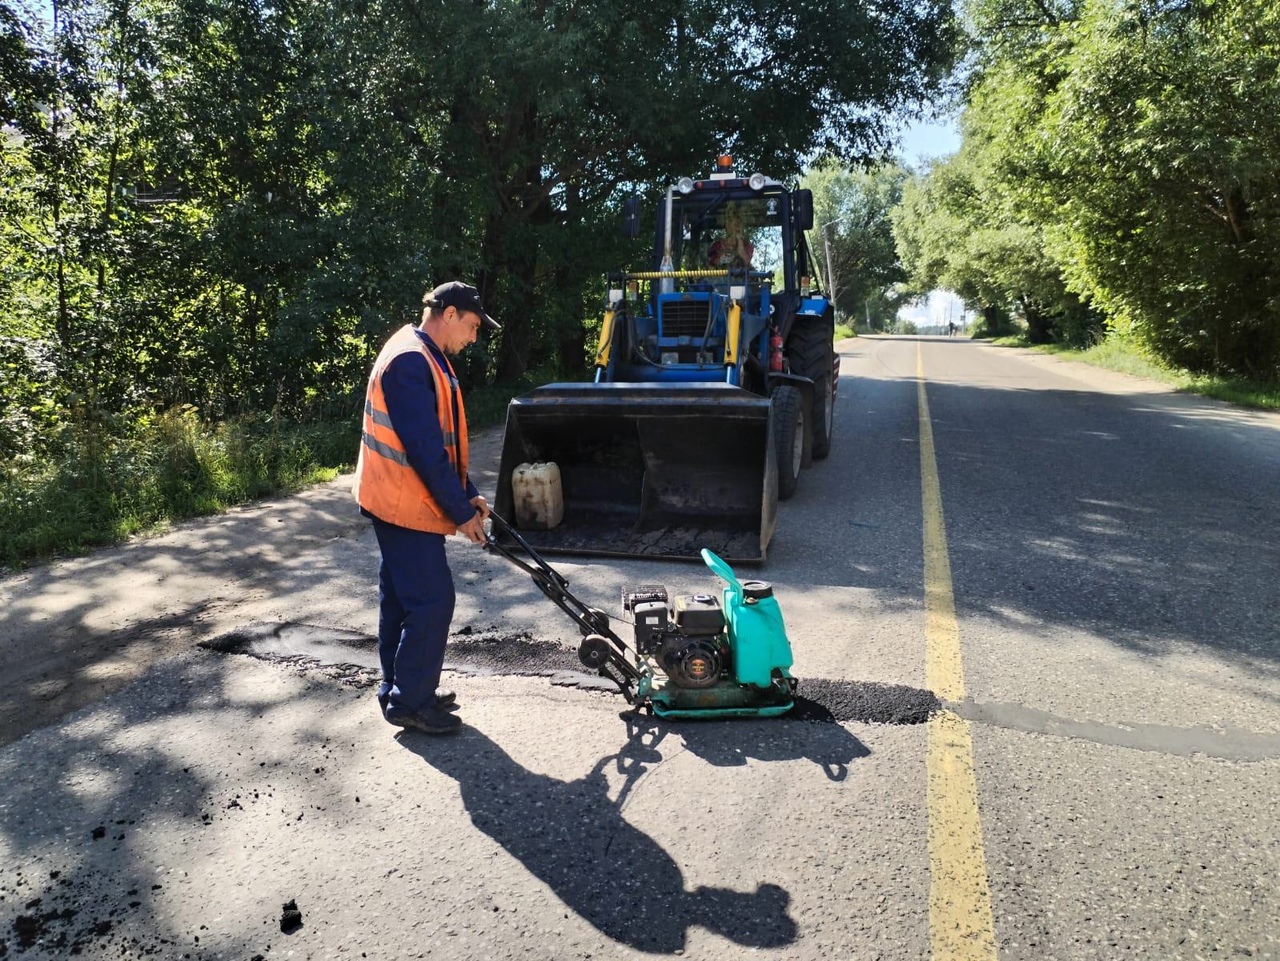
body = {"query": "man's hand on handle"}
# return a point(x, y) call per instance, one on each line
point(473, 530)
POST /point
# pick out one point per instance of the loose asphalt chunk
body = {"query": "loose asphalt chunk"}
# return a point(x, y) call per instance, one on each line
point(290, 916)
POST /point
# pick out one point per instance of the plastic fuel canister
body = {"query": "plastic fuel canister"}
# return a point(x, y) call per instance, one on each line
point(538, 496)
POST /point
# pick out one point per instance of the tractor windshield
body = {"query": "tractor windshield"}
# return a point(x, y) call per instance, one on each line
point(723, 231)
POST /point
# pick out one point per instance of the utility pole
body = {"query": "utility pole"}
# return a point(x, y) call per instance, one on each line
point(831, 275)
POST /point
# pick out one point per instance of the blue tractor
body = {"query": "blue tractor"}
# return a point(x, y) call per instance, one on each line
point(714, 386)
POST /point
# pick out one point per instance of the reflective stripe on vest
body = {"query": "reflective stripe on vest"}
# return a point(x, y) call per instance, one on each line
point(386, 450)
point(386, 484)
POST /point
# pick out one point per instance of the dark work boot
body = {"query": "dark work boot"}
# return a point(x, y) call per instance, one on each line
point(444, 698)
point(430, 720)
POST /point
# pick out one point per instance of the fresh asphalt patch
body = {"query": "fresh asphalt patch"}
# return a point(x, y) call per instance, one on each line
point(352, 658)
point(867, 701)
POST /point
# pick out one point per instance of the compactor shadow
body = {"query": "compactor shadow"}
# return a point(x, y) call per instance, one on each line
point(733, 743)
point(573, 838)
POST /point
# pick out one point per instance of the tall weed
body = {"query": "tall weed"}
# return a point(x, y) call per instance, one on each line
point(97, 487)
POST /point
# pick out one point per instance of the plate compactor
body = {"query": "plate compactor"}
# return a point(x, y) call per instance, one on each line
point(697, 656)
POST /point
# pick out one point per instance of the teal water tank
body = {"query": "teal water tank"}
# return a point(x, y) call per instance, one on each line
point(757, 634)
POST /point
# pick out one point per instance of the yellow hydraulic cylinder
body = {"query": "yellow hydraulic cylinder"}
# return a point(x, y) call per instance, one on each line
point(606, 340)
point(732, 335)
point(677, 274)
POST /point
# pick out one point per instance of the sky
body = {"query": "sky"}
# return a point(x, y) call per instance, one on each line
point(928, 140)
point(936, 310)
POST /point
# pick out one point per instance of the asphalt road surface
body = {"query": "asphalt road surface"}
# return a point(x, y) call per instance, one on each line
point(1080, 567)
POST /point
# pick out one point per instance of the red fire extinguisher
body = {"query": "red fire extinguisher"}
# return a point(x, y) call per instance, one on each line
point(775, 350)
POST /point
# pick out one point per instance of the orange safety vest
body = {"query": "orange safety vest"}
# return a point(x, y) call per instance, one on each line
point(386, 484)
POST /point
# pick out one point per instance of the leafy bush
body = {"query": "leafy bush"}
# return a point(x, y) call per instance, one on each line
point(97, 488)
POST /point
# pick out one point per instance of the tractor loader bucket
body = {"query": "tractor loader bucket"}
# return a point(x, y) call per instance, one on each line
point(648, 470)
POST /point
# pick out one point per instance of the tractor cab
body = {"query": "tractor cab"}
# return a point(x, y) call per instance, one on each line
point(725, 278)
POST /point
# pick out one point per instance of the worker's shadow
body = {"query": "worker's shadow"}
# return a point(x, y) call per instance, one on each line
point(572, 836)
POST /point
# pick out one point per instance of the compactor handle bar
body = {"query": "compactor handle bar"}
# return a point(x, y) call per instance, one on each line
point(548, 579)
point(589, 620)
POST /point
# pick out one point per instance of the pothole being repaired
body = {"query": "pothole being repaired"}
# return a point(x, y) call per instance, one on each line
point(352, 657)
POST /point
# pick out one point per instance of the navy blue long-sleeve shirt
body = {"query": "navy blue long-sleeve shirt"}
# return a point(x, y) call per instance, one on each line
point(410, 392)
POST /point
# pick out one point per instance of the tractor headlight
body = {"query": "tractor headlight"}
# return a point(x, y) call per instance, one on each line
point(685, 185)
point(756, 182)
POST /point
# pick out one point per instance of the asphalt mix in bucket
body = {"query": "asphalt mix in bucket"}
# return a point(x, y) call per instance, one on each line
point(352, 658)
point(664, 541)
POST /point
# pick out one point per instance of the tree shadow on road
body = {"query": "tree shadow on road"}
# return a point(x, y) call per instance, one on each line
point(571, 835)
point(90, 802)
point(1144, 519)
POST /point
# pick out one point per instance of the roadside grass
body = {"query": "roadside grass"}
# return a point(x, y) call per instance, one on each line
point(487, 406)
point(844, 331)
point(1119, 355)
point(95, 488)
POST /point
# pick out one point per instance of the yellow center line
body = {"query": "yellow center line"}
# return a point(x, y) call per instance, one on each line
point(960, 921)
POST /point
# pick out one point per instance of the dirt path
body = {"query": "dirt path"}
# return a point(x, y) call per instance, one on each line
point(74, 631)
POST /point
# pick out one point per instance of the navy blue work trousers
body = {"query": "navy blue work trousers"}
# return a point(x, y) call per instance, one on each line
point(415, 608)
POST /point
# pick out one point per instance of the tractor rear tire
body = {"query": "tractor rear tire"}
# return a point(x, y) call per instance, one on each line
point(811, 353)
point(788, 438)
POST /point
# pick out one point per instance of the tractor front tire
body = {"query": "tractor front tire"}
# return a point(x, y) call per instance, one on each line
point(811, 353)
point(788, 438)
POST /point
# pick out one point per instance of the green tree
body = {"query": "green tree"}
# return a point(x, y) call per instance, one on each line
point(946, 240)
point(852, 213)
point(649, 93)
point(972, 222)
point(60, 231)
point(1117, 167)
point(1163, 182)
point(230, 204)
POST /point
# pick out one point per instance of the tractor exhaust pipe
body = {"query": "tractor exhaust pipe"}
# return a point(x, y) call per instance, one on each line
point(667, 284)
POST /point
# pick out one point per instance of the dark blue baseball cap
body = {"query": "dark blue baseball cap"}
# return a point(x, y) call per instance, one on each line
point(461, 296)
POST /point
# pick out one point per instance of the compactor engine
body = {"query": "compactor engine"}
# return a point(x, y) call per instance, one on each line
point(687, 641)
